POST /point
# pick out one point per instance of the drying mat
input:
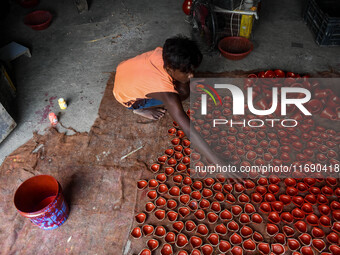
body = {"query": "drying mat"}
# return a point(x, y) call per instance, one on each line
point(99, 187)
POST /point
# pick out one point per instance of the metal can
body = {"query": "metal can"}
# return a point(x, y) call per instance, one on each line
point(62, 103)
point(53, 118)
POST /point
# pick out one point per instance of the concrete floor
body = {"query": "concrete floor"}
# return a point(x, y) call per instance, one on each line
point(73, 57)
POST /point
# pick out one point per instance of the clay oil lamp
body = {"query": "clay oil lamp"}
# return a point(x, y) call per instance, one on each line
point(314, 190)
point(318, 232)
point(166, 249)
point(244, 218)
point(288, 231)
point(274, 217)
point(207, 249)
point(311, 199)
point(160, 214)
point(312, 220)
point(265, 207)
point(178, 226)
point(190, 226)
point(197, 185)
point(174, 191)
point(208, 182)
point(219, 196)
point(171, 204)
point(153, 184)
point(161, 178)
point(152, 194)
point(307, 208)
point(172, 216)
point(217, 187)
point(196, 195)
point(325, 221)
point(298, 200)
point(195, 252)
point(228, 188)
point(263, 248)
point(224, 246)
point(145, 252)
point(327, 191)
point(233, 226)
point(278, 249)
point(186, 190)
point(226, 215)
point(152, 244)
point(136, 233)
point(160, 231)
point(149, 207)
point(160, 202)
point(169, 171)
point(230, 199)
point(161, 160)
point(257, 237)
point(293, 244)
point(249, 245)
point(204, 204)
point(261, 190)
point(193, 205)
point(140, 218)
point(246, 232)
point(148, 230)
point(235, 239)
point(306, 250)
point(170, 237)
point(249, 185)
point(207, 193)
point(256, 198)
point(271, 229)
point(213, 239)
point(249, 208)
point(298, 214)
point(305, 239)
point(287, 217)
point(221, 229)
point(181, 241)
point(184, 199)
point(280, 238)
point(256, 218)
point(212, 217)
point(319, 245)
point(300, 226)
point(181, 167)
point(141, 184)
point(202, 230)
point(334, 249)
point(195, 242)
point(183, 211)
point(333, 238)
point(243, 199)
point(200, 215)
point(238, 187)
point(324, 209)
point(269, 197)
point(236, 210)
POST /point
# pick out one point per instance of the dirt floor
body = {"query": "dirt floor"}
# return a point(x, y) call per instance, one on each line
point(98, 185)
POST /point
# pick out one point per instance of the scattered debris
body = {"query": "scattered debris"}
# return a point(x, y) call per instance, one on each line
point(123, 157)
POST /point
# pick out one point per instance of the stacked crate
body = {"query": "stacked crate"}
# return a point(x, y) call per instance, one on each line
point(323, 19)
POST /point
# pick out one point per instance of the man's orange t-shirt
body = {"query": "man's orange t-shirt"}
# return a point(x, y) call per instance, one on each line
point(141, 75)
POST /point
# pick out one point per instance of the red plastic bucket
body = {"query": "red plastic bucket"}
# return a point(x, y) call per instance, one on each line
point(40, 199)
point(235, 48)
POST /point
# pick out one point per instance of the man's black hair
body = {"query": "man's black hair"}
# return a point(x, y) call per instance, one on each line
point(181, 53)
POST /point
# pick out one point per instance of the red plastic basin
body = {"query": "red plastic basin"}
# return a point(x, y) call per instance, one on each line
point(38, 20)
point(235, 48)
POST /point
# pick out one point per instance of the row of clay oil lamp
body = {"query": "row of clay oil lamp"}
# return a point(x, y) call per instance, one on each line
point(271, 229)
point(324, 101)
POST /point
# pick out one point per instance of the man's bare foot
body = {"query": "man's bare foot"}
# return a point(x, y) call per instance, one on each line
point(151, 113)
